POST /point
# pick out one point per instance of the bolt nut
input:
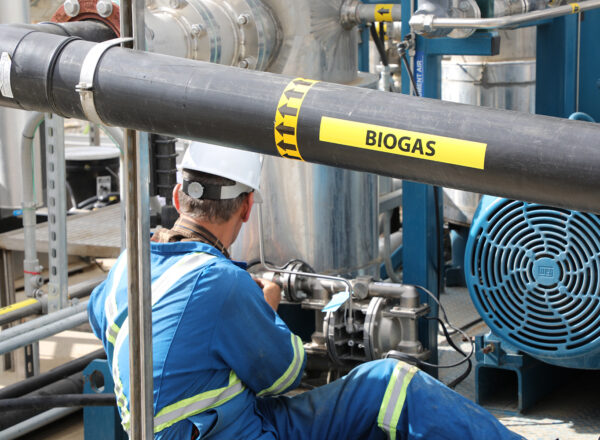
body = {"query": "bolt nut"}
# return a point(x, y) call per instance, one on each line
point(104, 8)
point(71, 8)
point(198, 30)
point(243, 64)
point(243, 19)
point(464, 6)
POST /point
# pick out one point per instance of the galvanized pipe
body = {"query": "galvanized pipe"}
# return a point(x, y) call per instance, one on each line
point(31, 264)
point(526, 157)
point(425, 23)
point(137, 217)
point(36, 324)
point(42, 332)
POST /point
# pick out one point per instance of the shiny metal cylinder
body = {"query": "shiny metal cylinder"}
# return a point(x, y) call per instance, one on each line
point(240, 33)
point(505, 81)
point(322, 215)
point(11, 123)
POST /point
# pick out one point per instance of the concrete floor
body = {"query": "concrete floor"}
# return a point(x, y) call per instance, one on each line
point(571, 412)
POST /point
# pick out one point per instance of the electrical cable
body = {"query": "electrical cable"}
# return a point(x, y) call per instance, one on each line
point(378, 44)
point(412, 359)
point(410, 73)
point(452, 384)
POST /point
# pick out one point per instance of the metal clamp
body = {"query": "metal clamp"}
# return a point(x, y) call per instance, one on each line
point(85, 88)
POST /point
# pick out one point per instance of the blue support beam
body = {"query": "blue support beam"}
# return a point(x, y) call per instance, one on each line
point(422, 205)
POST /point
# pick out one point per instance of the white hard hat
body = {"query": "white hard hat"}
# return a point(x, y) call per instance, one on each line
point(241, 166)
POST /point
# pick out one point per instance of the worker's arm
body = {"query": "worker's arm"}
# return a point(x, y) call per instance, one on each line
point(253, 340)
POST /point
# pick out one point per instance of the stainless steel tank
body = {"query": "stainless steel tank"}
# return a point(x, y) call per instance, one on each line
point(503, 81)
point(325, 216)
point(11, 126)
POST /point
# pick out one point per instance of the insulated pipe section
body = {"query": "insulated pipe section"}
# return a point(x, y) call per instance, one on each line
point(521, 156)
point(426, 24)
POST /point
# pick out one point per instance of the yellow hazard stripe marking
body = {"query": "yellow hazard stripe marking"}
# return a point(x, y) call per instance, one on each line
point(575, 8)
point(18, 306)
point(383, 11)
point(286, 117)
point(403, 142)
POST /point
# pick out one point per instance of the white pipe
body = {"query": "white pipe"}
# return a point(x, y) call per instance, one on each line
point(31, 264)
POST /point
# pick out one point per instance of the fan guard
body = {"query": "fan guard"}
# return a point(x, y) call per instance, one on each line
point(533, 275)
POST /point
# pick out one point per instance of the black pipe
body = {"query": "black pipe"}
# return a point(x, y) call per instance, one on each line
point(70, 385)
point(516, 155)
point(89, 30)
point(42, 403)
point(61, 372)
point(23, 312)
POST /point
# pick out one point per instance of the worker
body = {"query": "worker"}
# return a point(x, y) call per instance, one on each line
point(223, 358)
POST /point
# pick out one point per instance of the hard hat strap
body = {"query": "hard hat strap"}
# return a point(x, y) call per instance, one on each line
point(203, 191)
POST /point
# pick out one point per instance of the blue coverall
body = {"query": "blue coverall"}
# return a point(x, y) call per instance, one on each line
point(220, 352)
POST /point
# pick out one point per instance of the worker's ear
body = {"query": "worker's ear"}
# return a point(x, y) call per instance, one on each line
point(176, 197)
point(247, 207)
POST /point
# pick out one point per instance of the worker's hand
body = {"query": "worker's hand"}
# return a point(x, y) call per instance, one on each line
point(271, 291)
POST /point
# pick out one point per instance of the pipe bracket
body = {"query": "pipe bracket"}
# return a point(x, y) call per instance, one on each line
point(85, 88)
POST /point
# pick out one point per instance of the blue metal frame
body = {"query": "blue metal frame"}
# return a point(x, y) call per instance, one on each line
point(422, 205)
point(100, 422)
point(556, 66)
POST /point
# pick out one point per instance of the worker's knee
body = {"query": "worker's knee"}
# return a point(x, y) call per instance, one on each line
point(379, 371)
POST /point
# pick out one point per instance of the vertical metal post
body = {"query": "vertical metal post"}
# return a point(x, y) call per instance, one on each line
point(94, 134)
point(422, 208)
point(7, 295)
point(57, 212)
point(138, 256)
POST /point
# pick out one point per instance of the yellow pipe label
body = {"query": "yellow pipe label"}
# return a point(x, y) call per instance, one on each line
point(575, 8)
point(286, 117)
point(403, 142)
point(17, 306)
point(383, 12)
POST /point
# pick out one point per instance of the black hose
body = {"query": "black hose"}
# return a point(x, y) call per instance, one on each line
point(70, 385)
point(61, 372)
point(452, 384)
point(378, 44)
point(42, 403)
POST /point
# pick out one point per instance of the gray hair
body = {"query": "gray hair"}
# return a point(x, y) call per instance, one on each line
point(213, 211)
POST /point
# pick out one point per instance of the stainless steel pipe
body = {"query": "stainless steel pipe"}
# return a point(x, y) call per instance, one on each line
point(425, 23)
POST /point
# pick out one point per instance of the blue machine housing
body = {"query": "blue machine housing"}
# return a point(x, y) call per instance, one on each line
point(533, 273)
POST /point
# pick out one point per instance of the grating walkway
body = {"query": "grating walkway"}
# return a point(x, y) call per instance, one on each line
point(94, 234)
